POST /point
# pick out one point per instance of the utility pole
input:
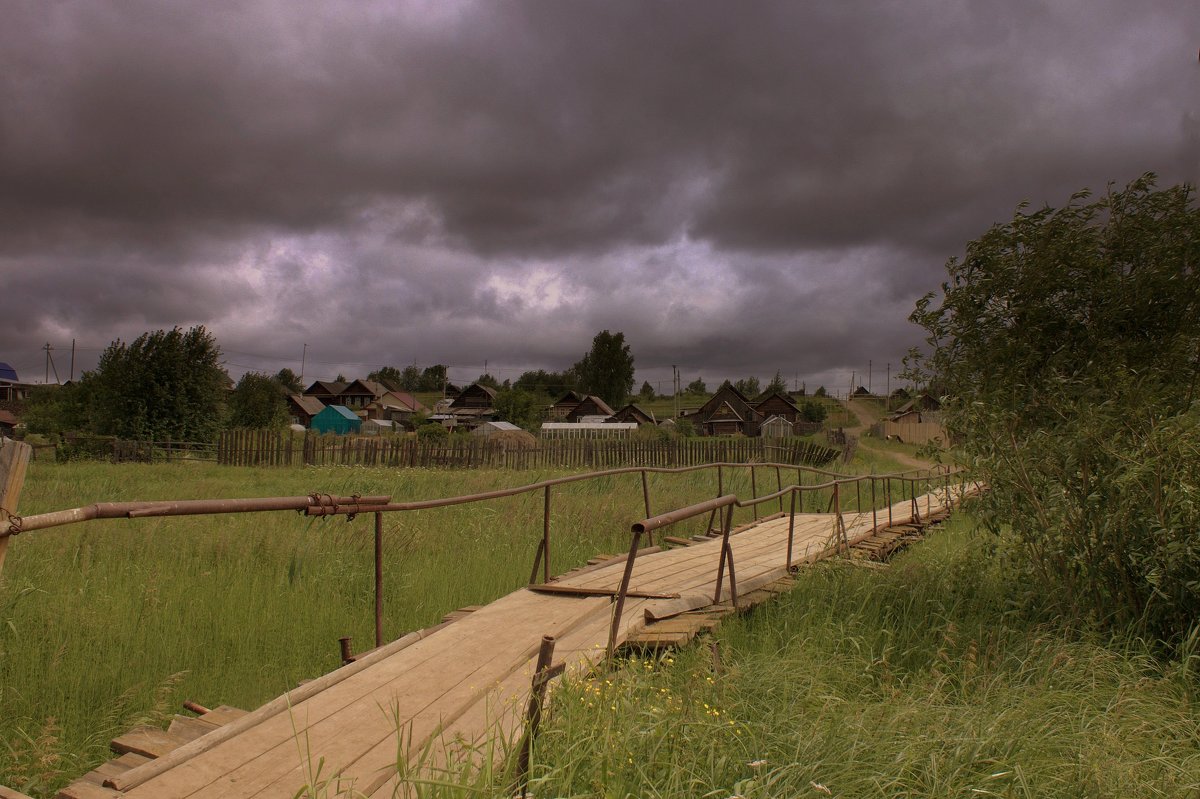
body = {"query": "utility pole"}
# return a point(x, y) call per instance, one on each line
point(72, 360)
point(853, 379)
point(889, 386)
point(870, 369)
point(303, 358)
point(675, 387)
point(50, 363)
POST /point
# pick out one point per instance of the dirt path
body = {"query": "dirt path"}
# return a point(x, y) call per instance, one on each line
point(865, 420)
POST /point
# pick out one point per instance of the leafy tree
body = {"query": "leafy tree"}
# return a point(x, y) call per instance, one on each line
point(289, 381)
point(813, 411)
point(489, 381)
point(391, 377)
point(748, 387)
point(777, 385)
point(607, 369)
point(164, 385)
point(58, 409)
point(820, 392)
point(257, 402)
point(1068, 341)
point(433, 378)
point(551, 384)
point(522, 408)
point(341, 378)
point(432, 431)
point(696, 388)
point(647, 391)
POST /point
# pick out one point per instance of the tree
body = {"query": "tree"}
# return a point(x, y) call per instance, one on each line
point(288, 381)
point(522, 408)
point(777, 385)
point(696, 388)
point(646, 393)
point(1068, 343)
point(257, 402)
point(820, 392)
point(551, 384)
point(391, 377)
point(164, 385)
point(607, 369)
point(748, 387)
point(813, 411)
point(433, 378)
point(487, 380)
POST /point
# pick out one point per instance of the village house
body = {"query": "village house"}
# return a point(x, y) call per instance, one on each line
point(327, 391)
point(11, 388)
point(560, 410)
point(726, 413)
point(778, 404)
point(395, 406)
point(590, 408)
point(473, 406)
point(631, 413)
point(358, 394)
point(302, 409)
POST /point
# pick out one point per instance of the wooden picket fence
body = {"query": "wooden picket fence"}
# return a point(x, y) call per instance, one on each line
point(268, 448)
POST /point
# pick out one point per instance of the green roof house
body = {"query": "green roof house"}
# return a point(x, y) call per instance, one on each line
point(336, 419)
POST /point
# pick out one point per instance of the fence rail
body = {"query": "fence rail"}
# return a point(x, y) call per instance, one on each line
point(268, 448)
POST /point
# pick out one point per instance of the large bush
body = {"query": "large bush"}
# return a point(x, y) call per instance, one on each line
point(1067, 342)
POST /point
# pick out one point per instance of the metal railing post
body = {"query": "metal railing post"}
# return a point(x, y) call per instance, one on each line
point(619, 606)
point(378, 579)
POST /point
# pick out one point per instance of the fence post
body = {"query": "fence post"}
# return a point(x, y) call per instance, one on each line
point(546, 538)
point(14, 459)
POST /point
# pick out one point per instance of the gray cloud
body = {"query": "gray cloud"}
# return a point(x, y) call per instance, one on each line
point(740, 188)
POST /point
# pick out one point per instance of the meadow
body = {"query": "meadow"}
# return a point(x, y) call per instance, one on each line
point(113, 623)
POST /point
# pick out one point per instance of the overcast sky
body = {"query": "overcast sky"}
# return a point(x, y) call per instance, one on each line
point(740, 187)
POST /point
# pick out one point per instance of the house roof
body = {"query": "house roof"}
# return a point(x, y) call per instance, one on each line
point(400, 399)
point(632, 411)
point(342, 410)
point(570, 398)
point(372, 387)
point(765, 397)
point(6, 418)
point(326, 387)
point(310, 405)
point(498, 426)
point(7, 372)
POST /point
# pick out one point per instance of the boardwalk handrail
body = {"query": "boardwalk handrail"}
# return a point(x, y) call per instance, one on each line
point(728, 502)
point(320, 504)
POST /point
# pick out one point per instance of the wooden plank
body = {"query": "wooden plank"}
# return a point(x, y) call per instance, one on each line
point(149, 741)
point(14, 460)
point(9, 793)
point(415, 690)
point(86, 790)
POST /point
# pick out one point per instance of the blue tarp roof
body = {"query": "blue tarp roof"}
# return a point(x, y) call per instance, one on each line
point(7, 372)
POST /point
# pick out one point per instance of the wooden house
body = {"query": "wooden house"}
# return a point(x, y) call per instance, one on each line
point(327, 391)
point(473, 406)
point(778, 404)
point(590, 408)
point(336, 419)
point(861, 391)
point(632, 413)
point(561, 409)
point(358, 394)
point(302, 408)
point(727, 412)
point(396, 406)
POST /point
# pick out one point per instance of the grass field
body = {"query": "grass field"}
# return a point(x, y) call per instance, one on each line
point(112, 623)
point(921, 680)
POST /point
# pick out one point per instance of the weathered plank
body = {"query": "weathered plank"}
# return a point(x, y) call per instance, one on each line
point(14, 460)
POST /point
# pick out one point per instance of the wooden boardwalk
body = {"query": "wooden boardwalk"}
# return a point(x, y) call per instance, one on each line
point(466, 679)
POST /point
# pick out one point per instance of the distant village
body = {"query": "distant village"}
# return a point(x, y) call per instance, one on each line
point(370, 407)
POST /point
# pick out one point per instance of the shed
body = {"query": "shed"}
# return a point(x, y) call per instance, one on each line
point(375, 427)
point(488, 429)
point(776, 427)
point(336, 419)
point(303, 407)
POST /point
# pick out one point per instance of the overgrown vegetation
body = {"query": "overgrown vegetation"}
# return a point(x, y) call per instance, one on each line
point(915, 681)
point(1068, 343)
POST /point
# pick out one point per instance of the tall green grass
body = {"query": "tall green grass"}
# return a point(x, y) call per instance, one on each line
point(921, 680)
point(112, 623)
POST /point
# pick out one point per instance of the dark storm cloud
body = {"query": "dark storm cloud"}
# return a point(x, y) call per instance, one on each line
point(739, 187)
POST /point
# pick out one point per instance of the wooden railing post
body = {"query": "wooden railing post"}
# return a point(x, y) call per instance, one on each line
point(14, 460)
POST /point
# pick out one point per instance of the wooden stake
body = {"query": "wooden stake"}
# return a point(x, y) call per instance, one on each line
point(14, 459)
